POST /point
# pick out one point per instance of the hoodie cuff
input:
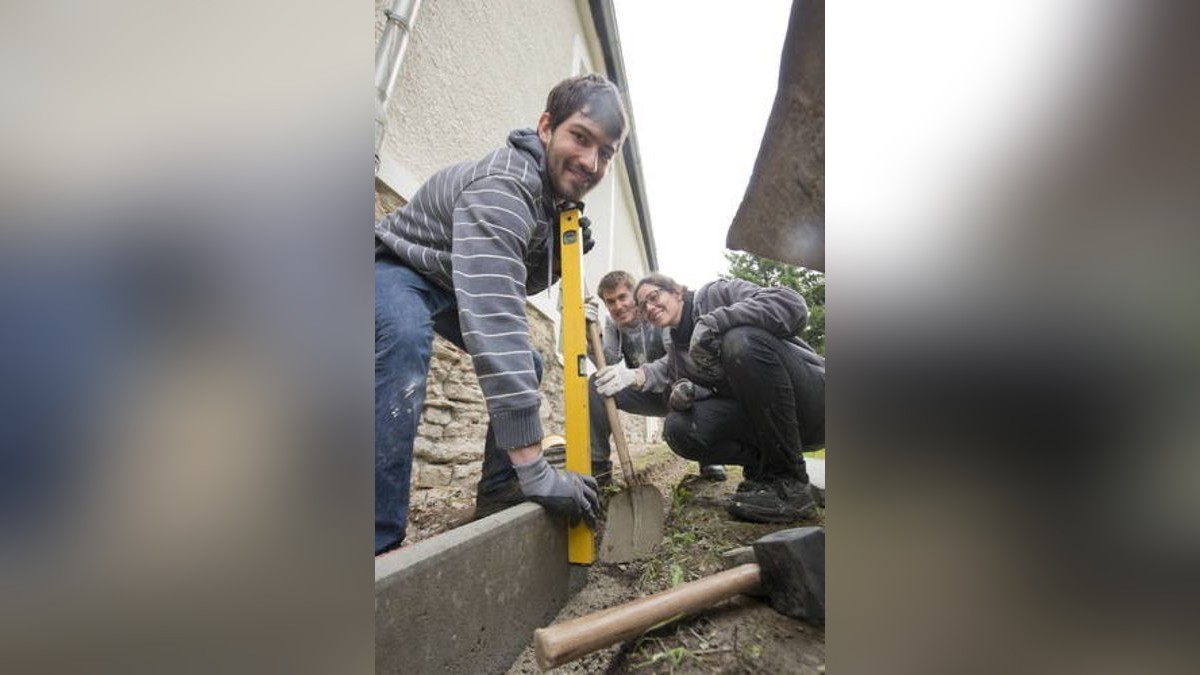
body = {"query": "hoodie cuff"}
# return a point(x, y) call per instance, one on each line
point(516, 428)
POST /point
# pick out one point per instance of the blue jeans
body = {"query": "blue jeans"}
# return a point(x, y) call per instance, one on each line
point(409, 309)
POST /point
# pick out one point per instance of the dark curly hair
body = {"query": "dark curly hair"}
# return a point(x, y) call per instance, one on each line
point(594, 96)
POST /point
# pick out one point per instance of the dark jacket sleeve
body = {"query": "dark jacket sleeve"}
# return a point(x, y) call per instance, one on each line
point(658, 374)
point(727, 303)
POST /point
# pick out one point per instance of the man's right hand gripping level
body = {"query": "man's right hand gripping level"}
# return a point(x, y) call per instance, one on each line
point(566, 493)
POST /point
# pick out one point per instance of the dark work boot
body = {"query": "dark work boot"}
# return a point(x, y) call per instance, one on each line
point(751, 485)
point(487, 503)
point(779, 500)
point(755, 479)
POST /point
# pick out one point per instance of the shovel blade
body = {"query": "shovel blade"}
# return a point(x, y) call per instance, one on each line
point(634, 525)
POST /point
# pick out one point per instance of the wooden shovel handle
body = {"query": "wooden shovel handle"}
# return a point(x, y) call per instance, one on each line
point(569, 640)
point(614, 421)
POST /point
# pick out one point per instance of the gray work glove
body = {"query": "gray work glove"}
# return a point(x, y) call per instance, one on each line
point(684, 393)
point(705, 349)
point(563, 492)
point(591, 312)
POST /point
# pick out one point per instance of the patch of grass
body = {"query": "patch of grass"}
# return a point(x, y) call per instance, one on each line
point(673, 564)
point(676, 574)
point(819, 454)
point(652, 574)
point(673, 657)
point(679, 497)
point(680, 538)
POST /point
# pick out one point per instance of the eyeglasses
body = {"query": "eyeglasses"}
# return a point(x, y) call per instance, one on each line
point(651, 297)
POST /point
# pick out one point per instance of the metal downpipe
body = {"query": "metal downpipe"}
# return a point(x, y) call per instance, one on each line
point(389, 54)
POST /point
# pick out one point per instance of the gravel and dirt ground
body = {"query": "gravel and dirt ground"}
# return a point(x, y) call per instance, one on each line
point(741, 635)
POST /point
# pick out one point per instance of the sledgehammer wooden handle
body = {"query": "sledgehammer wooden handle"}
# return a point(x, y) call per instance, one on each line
point(569, 640)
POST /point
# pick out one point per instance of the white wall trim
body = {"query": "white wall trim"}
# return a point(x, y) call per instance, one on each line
point(580, 63)
point(398, 178)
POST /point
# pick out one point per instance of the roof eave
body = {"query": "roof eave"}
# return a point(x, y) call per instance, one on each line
point(605, 21)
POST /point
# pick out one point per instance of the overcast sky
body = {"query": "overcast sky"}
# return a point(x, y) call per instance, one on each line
point(702, 77)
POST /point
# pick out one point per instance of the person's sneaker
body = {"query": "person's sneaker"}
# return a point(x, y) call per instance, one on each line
point(487, 503)
point(783, 500)
point(713, 472)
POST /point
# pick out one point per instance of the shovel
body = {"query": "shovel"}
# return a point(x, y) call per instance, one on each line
point(635, 515)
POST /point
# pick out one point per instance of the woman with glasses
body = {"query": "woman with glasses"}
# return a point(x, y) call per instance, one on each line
point(744, 389)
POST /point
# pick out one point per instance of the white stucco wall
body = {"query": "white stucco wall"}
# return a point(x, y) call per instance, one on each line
point(475, 70)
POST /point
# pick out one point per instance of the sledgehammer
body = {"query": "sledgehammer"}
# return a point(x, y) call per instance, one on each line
point(790, 569)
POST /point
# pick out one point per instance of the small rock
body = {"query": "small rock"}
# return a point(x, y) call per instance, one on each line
point(437, 415)
point(433, 475)
point(459, 392)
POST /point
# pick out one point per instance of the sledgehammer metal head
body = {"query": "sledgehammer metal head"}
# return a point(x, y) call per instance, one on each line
point(792, 565)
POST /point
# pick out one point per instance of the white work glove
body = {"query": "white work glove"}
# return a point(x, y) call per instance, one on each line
point(563, 492)
point(592, 312)
point(614, 378)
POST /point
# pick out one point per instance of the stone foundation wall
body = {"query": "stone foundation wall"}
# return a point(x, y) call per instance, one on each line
point(449, 445)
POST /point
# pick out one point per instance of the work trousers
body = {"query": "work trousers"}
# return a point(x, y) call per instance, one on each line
point(630, 400)
point(409, 309)
point(772, 408)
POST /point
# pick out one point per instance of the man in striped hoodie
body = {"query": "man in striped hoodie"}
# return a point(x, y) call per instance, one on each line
point(460, 259)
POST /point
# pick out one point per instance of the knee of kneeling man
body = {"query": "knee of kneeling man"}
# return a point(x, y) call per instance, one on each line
point(677, 432)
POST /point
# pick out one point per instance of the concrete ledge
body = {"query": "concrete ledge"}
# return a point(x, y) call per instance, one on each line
point(816, 476)
point(468, 600)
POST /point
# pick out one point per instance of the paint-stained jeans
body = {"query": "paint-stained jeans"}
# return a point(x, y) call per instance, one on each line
point(408, 311)
point(773, 407)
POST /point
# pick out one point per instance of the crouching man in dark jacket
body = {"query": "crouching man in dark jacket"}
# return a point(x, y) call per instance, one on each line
point(744, 389)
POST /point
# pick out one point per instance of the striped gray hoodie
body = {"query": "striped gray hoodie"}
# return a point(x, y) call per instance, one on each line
point(484, 230)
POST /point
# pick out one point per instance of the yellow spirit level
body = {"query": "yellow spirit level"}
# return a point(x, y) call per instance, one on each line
point(581, 547)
